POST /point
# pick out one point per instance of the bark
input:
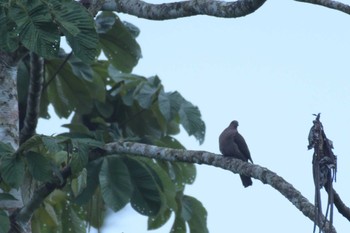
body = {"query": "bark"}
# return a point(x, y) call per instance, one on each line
point(235, 165)
point(33, 101)
point(182, 9)
point(329, 4)
point(9, 114)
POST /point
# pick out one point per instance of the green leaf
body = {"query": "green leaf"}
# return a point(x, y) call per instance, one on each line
point(78, 26)
point(7, 196)
point(115, 183)
point(146, 197)
point(77, 128)
point(167, 141)
point(93, 170)
point(105, 22)
point(80, 155)
point(4, 222)
point(144, 94)
point(35, 28)
point(134, 31)
point(164, 105)
point(118, 44)
point(190, 118)
point(195, 214)
point(159, 220)
point(8, 39)
point(67, 92)
point(105, 109)
point(39, 166)
point(187, 171)
point(45, 214)
point(79, 183)
point(32, 142)
point(96, 210)
point(6, 148)
point(12, 170)
point(71, 222)
point(179, 225)
point(53, 144)
point(81, 69)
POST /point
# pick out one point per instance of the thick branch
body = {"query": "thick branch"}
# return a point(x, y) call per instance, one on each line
point(182, 9)
point(342, 208)
point(9, 112)
point(33, 101)
point(24, 215)
point(330, 4)
point(200, 157)
point(236, 166)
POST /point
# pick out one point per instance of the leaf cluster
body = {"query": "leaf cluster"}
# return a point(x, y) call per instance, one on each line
point(108, 104)
point(39, 24)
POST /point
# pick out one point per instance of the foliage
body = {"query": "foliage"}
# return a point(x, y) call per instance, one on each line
point(109, 104)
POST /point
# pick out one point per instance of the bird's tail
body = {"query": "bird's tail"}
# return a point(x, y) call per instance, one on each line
point(246, 181)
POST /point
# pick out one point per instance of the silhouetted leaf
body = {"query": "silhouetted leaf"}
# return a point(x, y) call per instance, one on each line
point(146, 197)
point(190, 118)
point(195, 214)
point(4, 222)
point(93, 170)
point(71, 222)
point(35, 28)
point(115, 183)
point(12, 170)
point(39, 166)
point(118, 44)
point(7, 196)
point(78, 26)
point(8, 39)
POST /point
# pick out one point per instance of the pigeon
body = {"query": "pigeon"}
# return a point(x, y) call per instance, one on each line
point(232, 144)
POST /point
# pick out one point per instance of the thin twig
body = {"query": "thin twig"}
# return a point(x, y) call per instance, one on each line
point(57, 71)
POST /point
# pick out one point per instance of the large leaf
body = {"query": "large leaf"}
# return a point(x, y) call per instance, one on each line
point(195, 214)
point(93, 170)
point(164, 105)
point(5, 148)
point(67, 92)
point(190, 118)
point(71, 222)
point(115, 183)
point(35, 28)
point(80, 155)
point(9, 38)
point(146, 197)
point(118, 44)
point(12, 170)
point(96, 210)
point(7, 196)
point(144, 94)
point(39, 166)
point(78, 26)
point(4, 222)
point(179, 225)
point(157, 221)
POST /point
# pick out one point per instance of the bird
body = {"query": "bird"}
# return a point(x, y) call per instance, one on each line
point(232, 144)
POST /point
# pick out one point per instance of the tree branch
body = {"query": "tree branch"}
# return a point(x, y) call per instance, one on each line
point(182, 9)
point(330, 4)
point(236, 166)
point(23, 216)
point(33, 101)
point(342, 208)
point(200, 157)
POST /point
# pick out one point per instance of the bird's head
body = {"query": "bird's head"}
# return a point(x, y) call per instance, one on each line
point(234, 124)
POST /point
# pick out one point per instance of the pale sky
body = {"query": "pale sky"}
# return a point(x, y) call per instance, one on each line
point(271, 71)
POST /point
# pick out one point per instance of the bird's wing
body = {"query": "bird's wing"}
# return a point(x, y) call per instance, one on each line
point(242, 146)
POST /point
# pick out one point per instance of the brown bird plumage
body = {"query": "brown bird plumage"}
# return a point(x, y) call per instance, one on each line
point(233, 144)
